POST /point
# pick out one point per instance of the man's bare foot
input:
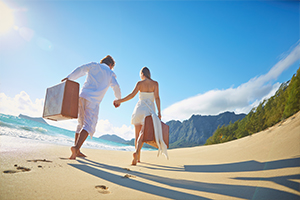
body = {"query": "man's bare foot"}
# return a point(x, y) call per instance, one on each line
point(134, 161)
point(74, 153)
point(79, 154)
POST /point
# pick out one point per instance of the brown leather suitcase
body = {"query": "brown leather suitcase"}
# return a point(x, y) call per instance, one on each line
point(148, 130)
point(61, 101)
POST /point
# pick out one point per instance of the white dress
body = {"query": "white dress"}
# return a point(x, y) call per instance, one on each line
point(143, 108)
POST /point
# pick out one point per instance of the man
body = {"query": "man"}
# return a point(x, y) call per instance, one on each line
point(99, 78)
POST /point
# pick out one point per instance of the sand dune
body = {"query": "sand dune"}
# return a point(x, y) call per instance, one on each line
point(265, 165)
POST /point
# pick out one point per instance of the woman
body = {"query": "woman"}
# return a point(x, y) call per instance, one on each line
point(149, 92)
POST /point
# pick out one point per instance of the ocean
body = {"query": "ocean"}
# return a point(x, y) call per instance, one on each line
point(35, 131)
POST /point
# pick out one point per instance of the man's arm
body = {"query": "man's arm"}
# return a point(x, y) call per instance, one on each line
point(77, 73)
point(115, 86)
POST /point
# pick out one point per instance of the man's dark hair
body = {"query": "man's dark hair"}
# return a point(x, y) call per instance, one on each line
point(108, 60)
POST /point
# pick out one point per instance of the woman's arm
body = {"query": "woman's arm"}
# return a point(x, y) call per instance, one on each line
point(128, 97)
point(157, 100)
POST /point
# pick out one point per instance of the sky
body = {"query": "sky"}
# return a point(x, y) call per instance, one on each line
point(207, 56)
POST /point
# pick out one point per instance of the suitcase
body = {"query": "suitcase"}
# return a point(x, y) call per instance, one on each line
point(148, 130)
point(61, 101)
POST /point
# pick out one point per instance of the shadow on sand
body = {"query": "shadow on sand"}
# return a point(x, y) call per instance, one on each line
point(95, 169)
point(239, 191)
point(246, 166)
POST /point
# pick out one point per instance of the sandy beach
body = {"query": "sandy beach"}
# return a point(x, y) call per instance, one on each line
point(265, 165)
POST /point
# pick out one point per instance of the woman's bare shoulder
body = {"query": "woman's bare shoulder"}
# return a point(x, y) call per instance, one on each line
point(155, 82)
point(138, 85)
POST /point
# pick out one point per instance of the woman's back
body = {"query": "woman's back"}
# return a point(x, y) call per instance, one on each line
point(148, 85)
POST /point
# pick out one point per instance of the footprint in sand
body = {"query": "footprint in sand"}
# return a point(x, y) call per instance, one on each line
point(102, 189)
point(39, 160)
point(23, 169)
point(10, 171)
point(19, 169)
point(129, 176)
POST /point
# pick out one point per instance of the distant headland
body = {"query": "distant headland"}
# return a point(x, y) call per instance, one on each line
point(36, 119)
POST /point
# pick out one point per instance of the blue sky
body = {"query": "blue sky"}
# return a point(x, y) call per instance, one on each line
point(208, 56)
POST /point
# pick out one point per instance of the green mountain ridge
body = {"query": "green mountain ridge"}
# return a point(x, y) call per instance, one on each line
point(279, 107)
point(196, 130)
point(192, 132)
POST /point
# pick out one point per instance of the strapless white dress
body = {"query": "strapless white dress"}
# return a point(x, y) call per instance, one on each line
point(143, 108)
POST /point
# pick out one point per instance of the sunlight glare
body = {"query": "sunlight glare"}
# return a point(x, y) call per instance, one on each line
point(6, 18)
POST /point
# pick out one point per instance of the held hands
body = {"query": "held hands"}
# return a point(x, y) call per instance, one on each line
point(116, 103)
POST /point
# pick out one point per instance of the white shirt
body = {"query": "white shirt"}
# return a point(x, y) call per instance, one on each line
point(99, 78)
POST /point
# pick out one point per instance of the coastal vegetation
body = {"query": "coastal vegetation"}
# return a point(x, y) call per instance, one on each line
point(196, 130)
point(279, 107)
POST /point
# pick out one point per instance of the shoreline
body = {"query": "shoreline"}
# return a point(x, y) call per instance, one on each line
point(265, 165)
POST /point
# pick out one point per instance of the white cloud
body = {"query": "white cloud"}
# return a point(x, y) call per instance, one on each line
point(22, 104)
point(241, 99)
point(105, 127)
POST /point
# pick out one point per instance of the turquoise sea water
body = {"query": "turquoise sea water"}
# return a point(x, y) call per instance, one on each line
point(24, 128)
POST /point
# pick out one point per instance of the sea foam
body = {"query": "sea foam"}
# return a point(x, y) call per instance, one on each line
point(24, 128)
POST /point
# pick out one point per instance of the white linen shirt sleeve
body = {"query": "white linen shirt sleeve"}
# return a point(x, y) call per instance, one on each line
point(115, 86)
point(79, 72)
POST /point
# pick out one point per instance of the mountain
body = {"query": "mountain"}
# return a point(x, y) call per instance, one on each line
point(192, 132)
point(113, 138)
point(198, 129)
point(36, 119)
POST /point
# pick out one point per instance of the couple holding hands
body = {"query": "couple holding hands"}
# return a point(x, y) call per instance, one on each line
point(99, 78)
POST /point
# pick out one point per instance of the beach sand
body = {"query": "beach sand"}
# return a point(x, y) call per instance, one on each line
point(265, 165)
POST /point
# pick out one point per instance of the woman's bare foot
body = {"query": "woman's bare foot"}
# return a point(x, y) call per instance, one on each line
point(134, 161)
point(74, 153)
point(79, 154)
